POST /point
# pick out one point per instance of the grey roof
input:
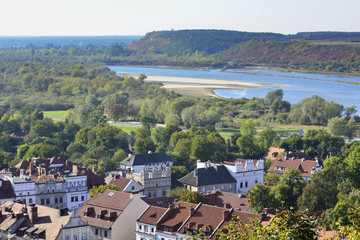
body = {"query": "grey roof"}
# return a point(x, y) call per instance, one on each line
point(208, 176)
point(144, 159)
point(21, 180)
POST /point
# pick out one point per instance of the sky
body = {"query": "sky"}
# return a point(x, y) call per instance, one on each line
point(137, 17)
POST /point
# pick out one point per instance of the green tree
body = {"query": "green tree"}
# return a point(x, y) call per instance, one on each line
point(177, 192)
point(248, 128)
point(248, 148)
point(201, 148)
point(267, 138)
point(289, 188)
point(274, 95)
point(144, 145)
point(178, 172)
point(148, 121)
point(193, 197)
point(260, 197)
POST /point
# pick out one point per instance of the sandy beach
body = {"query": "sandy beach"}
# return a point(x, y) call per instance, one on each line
point(202, 87)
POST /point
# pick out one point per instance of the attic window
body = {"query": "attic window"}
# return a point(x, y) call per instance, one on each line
point(111, 194)
point(153, 215)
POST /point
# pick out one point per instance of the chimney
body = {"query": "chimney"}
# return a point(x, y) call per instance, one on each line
point(268, 210)
point(33, 214)
point(262, 216)
point(75, 169)
point(30, 169)
point(191, 210)
point(225, 215)
point(18, 216)
point(66, 162)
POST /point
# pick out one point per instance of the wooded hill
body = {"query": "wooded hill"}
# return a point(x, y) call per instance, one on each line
point(315, 51)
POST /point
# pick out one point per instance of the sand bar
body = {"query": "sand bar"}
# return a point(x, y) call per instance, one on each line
point(202, 87)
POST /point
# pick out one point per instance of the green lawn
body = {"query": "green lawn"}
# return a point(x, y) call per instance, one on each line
point(55, 114)
point(126, 129)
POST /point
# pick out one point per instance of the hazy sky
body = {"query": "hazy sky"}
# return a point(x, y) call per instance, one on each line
point(137, 17)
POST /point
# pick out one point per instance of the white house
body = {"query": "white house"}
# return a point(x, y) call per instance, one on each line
point(246, 173)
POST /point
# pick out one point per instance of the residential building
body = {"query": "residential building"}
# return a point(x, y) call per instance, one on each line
point(125, 184)
point(301, 161)
point(152, 172)
point(6, 191)
point(208, 178)
point(182, 220)
point(52, 182)
point(76, 229)
point(246, 172)
point(31, 221)
point(113, 214)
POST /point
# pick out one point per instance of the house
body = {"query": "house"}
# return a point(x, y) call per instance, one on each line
point(52, 182)
point(207, 178)
point(273, 153)
point(182, 220)
point(301, 161)
point(125, 184)
point(152, 172)
point(6, 191)
point(112, 214)
point(31, 221)
point(246, 172)
point(76, 229)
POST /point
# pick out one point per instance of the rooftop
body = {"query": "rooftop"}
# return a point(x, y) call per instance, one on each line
point(145, 159)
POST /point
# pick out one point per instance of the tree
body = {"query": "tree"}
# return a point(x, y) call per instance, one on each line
point(193, 197)
point(267, 137)
point(274, 95)
point(289, 188)
point(248, 148)
point(178, 172)
point(100, 189)
point(162, 135)
point(248, 128)
point(144, 145)
point(148, 121)
point(116, 111)
point(96, 117)
point(260, 197)
point(177, 192)
point(201, 148)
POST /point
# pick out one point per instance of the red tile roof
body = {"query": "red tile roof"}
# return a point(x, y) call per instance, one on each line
point(121, 182)
point(228, 200)
point(273, 153)
point(152, 215)
point(109, 205)
point(295, 161)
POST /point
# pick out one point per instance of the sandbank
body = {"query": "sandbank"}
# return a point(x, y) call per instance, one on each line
point(202, 87)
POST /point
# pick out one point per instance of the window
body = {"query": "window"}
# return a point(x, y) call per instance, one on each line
point(83, 198)
point(76, 199)
point(164, 193)
point(146, 228)
point(30, 200)
point(105, 234)
point(241, 185)
point(222, 187)
point(139, 227)
point(246, 184)
point(230, 185)
point(56, 200)
point(28, 193)
point(256, 181)
point(149, 194)
point(72, 199)
point(83, 236)
point(75, 237)
point(96, 231)
point(42, 201)
point(152, 230)
point(60, 200)
point(132, 187)
point(67, 238)
point(154, 194)
point(48, 201)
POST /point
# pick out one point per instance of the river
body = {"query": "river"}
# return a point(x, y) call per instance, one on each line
point(301, 85)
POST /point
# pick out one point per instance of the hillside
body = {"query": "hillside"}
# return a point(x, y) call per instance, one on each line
point(185, 42)
point(296, 55)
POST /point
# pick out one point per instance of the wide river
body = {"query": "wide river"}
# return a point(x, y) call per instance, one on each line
point(301, 85)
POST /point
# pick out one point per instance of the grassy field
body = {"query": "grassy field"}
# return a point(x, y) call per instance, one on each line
point(126, 129)
point(55, 114)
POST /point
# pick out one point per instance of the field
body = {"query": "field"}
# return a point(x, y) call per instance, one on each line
point(126, 129)
point(55, 114)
